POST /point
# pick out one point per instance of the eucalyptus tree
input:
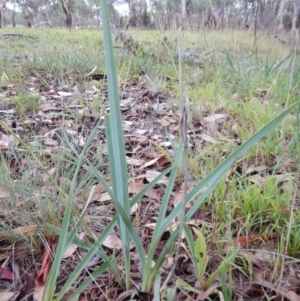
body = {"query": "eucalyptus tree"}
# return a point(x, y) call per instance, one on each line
point(2, 9)
point(66, 8)
point(133, 18)
point(280, 13)
point(184, 13)
point(165, 13)
point(161, 13)
point(35, 11)
point(138, 9)
point(29, 10)
point(84, 13)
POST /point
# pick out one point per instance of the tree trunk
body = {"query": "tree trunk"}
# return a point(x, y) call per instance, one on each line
point(151, 14)
point(183, 13)
point(246, 24)
point(65, 6)
point(98, 17)
point(296, 19)
point(26, 16)
point(132, 20)
point(210, 21)
point(139, 11)
point(1, 14)
point(14, 15)
point(2, 9)
point(297, 25)
point(255, 26)
point(280, 14)
point(221, 14)
point(261, 13)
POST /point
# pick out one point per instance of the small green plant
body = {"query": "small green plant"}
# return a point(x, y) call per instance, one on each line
point(200, 258)
point(24, 103)
point(17, 101)
point(32, 103)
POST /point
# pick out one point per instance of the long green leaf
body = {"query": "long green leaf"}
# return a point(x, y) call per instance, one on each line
point(207, 185)
point(120, 200)
point(157, 287)
point(226, 261)
point(80, 243)
point(64, 238)
point(159, 231)
point(166, 249)
point(150, 185)
point(74, 231)
point(136, 240)
point(216, 175)
point(201, 255)
point(93, 169)
point(62, 241)
point(83, 263)
point(115, 139)
point(115, 119)
point(89, 280)
point(190, 241)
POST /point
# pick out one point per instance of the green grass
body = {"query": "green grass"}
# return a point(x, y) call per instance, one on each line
point(222, 74)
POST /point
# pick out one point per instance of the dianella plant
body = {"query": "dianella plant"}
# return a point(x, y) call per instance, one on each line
point(150, 265)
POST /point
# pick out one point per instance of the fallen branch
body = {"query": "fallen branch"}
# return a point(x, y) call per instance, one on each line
point(17, 35)
point(42, 23)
